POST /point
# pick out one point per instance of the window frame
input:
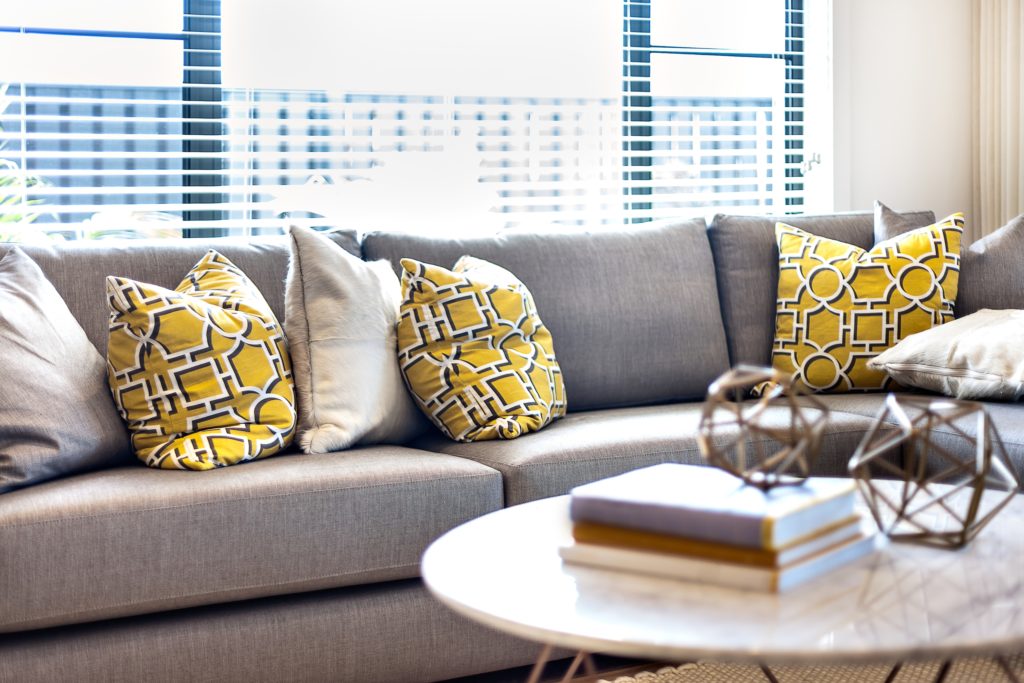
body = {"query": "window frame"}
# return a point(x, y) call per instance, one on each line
point(205, 112)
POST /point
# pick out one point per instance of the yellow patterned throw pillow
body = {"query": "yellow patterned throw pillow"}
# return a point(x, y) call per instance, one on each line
point(474, 353)
point(839, 306)
point(200, 374)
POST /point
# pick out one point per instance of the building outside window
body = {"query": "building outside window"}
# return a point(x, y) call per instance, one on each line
point(235, 117)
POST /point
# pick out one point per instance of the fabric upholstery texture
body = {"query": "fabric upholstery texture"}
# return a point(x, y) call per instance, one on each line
point(588, 446)
point(56, 413)
point(839, 305)
point(340, 317)
point(864, 404)
point(992, 271)
point(476, 356)
point(1008, 419)
point(386, 633)
point(200, 374)
point(889, 223)
point(603, 295)
point(747, 269)
point(135, 540)
point(978, 357)
point(79, 269)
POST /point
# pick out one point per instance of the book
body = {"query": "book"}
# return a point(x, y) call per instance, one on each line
point(748, 577)
point(706, 503)
point(603, 534)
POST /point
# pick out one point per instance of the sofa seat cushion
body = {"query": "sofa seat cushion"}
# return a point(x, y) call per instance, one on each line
point(865, 405)
point(633, 313)
point(135, 540)
point(588, 446)
point(1008, 419)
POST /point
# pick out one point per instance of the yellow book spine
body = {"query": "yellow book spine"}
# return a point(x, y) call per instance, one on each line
point(608, 535)
point(602, 534)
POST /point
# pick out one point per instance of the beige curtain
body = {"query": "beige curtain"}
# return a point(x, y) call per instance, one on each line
point(998, 119)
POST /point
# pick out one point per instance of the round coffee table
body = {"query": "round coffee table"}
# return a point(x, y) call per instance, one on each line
point(905, 602)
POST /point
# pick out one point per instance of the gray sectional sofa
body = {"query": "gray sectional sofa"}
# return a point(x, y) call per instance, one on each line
point(304, 567)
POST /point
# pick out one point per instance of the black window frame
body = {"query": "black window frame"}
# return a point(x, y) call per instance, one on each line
point(637, 101)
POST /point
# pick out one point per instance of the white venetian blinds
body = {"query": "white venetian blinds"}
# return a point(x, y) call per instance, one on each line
point(238, 116)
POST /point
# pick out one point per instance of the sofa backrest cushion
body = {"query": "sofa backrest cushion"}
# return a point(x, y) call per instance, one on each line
point(633, 313)
point(79, 270)
point(747, 268)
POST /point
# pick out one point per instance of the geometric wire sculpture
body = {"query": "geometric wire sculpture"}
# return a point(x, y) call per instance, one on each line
point(767, 441)
point(947, 495)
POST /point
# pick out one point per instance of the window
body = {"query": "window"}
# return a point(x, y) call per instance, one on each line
point(225, 117)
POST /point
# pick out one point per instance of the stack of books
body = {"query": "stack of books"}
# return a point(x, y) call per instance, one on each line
point(703, 524)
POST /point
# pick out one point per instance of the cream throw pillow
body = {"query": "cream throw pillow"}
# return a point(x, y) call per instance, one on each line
point(976, 357)
point(340, 317)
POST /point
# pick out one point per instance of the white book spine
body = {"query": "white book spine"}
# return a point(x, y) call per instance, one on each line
point(714, 572)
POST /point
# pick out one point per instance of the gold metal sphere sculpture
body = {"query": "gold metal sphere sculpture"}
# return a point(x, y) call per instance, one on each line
point(767, 441)
point(948, 494)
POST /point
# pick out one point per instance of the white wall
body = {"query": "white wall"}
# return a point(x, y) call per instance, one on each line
point(902, 109)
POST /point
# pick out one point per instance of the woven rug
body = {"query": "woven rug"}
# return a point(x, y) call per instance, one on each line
point(974, 670)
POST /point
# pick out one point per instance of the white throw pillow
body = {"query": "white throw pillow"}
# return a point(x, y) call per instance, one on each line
point(980, 356)
point(340, 317)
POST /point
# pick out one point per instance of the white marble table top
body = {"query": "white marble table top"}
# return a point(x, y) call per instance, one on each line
point(904, 602)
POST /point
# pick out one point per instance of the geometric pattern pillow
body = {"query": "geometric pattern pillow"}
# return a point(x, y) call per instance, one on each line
point(991, 268)
point(474, 352)
point(200, 374)
point(839, 306)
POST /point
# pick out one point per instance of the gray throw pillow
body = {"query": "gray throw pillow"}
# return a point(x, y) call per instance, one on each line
point(991, 269)
point(889, 223)
point(56, 413)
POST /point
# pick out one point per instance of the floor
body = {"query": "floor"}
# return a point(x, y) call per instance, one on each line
point(608, 667)
point(964, 670)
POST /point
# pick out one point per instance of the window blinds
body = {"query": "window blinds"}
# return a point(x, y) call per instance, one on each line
point(691, 131)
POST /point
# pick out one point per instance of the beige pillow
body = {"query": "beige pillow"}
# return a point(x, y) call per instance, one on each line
point(340, 317)
point(976, 357)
